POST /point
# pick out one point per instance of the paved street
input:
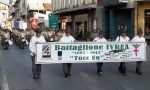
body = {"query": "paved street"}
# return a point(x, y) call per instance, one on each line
point(15, 74)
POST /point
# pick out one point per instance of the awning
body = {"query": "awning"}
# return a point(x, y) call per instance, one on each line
point(75, 10)
point(35, 6)
point(47, 6)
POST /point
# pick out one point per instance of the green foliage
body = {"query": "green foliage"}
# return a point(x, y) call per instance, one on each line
point(87, 35)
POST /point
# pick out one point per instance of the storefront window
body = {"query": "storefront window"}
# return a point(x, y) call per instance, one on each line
point(147, 22)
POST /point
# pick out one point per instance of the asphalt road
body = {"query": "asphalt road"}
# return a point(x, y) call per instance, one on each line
point(15, 74)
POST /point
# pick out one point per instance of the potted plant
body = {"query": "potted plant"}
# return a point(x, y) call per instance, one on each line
point(87, 36)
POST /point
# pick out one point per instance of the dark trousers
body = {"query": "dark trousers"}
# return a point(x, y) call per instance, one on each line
point(99, 67)
point(6, 45)
point(67, 68)
point(36, 68)
point(138, 67)
point(122, 67)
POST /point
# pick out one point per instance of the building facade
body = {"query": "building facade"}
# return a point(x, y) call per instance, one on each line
point(118, 15)
point(18, 14)
point(4, 11)
point(92, 15)
point(40, 9)
point(142, 10)
point(78, 16)
point(23, 11)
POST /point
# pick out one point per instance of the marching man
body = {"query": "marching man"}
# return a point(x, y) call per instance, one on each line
point(5, 38)
point(67, 39)
point(139, 38)
point(123, 38)
point(38, 38)
point(100, 39)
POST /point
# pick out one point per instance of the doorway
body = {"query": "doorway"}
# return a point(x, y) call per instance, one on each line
point(147, 22)
point(116, 20)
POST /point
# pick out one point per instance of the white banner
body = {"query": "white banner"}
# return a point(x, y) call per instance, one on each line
point(90, 52)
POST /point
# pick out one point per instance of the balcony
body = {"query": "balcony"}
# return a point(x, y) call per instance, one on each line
point(113, 2)
point(75, 4)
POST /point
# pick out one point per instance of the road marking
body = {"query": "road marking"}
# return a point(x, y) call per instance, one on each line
point(5, 83)
point(4, 78)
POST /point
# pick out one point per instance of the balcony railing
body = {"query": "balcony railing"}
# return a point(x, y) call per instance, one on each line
point(69, 4)
point(113, 2)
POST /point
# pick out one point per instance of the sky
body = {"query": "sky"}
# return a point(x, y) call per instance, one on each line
point(5, 1)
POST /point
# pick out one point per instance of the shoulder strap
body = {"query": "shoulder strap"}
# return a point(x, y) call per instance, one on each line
point(119, 38)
